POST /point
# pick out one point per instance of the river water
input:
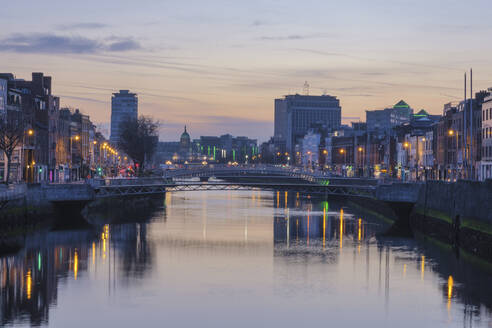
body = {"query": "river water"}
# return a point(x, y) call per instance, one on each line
point(241, 259)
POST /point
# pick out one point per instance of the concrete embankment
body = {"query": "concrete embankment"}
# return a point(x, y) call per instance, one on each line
point(64, 206)
point(458, 213)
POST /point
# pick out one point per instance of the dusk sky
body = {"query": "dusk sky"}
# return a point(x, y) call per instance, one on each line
point(217, 66)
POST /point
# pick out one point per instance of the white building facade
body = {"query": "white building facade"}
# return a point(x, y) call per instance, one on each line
point(486, 163)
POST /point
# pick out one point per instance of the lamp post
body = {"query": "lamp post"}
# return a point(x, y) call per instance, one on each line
point(30, 133)
point(361, 155)
point(407, 147)
point(344, 153)
point(77, 138)
point(452, 133)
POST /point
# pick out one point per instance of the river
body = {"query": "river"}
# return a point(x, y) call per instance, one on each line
point(242, 259)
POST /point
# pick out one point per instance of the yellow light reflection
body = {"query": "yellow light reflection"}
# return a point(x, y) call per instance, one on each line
point(93, 253)
point(28, 284)
point(286, 193)
point(75, 265)
point(404, 270)
point(422, 267)
point(341, 228)
point(360, 230)
point(450, 290)
point(278, 199)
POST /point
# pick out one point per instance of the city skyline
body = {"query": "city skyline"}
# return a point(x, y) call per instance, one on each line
point(218, 68)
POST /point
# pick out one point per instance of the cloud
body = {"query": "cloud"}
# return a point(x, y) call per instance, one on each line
point(61, 44)
point(82, 26)
point(294, 37)
point(124, 45)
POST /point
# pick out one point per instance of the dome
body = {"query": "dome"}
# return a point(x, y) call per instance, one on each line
point(185, 136)
point(185, 142)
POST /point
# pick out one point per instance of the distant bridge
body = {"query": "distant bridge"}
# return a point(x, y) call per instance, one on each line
point(310, 188)
point(239, 178)
point(227, 178)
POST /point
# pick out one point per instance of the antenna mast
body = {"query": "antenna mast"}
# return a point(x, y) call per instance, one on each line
point(306, 88)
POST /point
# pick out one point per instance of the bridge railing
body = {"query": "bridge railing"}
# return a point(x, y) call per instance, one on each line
point(13, 192)
point(126, 182)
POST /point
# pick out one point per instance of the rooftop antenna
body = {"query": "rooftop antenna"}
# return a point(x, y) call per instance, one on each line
point(306, 88)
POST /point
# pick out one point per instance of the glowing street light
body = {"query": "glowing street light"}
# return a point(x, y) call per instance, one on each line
point(30, 132)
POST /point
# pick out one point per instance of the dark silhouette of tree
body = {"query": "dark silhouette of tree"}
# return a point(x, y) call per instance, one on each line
point(11, 134)
point(138, 139)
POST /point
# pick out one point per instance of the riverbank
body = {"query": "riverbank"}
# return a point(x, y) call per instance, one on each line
point(459, 214)
point(36, 210)
point(456, 214)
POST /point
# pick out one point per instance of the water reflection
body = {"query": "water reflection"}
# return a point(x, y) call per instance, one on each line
point(29, 281)
point(217, 255)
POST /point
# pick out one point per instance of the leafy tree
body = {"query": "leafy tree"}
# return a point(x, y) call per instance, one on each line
point(11, 135)
point(138, 139)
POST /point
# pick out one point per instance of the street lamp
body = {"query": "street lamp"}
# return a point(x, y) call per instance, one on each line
point(344, 153)
point(361, 155)
point(30, 133)
point(71, 153)
point(452, 133)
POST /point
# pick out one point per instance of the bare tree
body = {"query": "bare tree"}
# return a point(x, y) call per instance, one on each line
point(138, 139)
point(11, 135)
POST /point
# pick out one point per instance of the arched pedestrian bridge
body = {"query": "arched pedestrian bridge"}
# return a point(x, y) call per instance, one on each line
point(239, 178)
point(265, 178)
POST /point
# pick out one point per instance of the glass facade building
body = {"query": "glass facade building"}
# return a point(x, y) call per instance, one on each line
point(124, 106)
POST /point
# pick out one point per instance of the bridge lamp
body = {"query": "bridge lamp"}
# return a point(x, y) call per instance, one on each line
point(77, 137)
point(278, 154)
point(309, 153)
point(406, 145)
point(286, 154)
point(325, 151)
point(30, 132)
point(94, 142)
point(360, 149)
point(342, 151)
point(451, 132)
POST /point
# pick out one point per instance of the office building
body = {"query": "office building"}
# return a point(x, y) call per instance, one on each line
point(382, 121)
point(124, 106)
point(296, 114)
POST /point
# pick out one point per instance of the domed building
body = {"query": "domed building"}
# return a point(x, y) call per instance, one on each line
point(185, 144)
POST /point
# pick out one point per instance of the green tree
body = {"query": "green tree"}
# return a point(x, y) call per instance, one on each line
point(138, 139)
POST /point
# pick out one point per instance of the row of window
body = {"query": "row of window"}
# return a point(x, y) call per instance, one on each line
point(487, 114)
point(487, 133)
point(487, 151)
